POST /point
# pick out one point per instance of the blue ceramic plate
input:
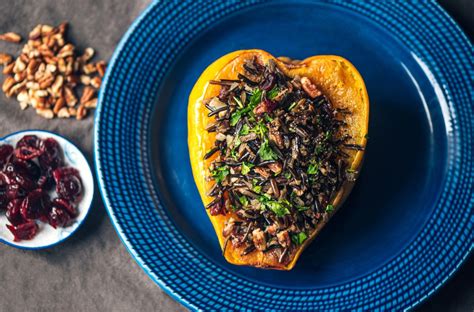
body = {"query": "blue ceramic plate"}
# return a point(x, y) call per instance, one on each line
point(407, 225)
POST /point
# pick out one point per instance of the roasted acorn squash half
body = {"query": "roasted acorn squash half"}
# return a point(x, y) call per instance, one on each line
point(340, 84)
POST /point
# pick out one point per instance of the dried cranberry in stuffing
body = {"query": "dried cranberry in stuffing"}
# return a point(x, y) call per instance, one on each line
point(25, 231)
point(58, 217)
point(52, 155)
point(13, 213)
point(268, 82)
point(35, 205)
point(68, 183)
point(5, 152)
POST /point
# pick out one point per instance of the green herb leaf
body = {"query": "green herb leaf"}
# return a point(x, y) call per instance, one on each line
point(319, 149)
point(302, 208)
point(237, 142)
point(292, 106)
point(313, 168)
point(235, 117)
point(328, 135)
point(257, 189)
point(266, 153)
point(246, 167)
point(278, 208)
point(233, 153)
point(287, 175)
point(273, 93)
point(220, 173)
point(244, 200)
point(260, 129)
point(329, 208)
point(299, 238)
point(245, 129)
point(255, 98)
point(239, 102)
point(267, 118)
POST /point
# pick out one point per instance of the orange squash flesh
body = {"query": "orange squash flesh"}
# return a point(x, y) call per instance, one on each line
point(336, 77)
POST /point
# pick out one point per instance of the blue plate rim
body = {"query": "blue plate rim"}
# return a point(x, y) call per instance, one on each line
point(109, 209)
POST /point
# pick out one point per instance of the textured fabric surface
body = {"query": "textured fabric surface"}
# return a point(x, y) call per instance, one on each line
point(92, 271)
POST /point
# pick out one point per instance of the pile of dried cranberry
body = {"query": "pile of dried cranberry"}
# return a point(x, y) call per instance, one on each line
point(28, 174)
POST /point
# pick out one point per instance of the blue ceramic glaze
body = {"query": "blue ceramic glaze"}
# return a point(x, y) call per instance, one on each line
point(407, 224)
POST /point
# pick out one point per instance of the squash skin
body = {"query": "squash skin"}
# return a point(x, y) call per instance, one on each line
point(336, 77)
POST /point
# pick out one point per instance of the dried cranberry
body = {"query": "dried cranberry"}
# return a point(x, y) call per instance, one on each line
point(52, 154)
point(35, 205)
point(58, 217)
point(9, 167)
point(217, 208)
point(14, 191)
point(30, 141)
point(68, 183)
point(29, 147)
point(23, 231)
point(3, 197)
point(5, 152)
point(13, 213)
point(45, 181)
point(16, 178)
point(65, 205)
point(26, 153)
point(266, 106)
point(268, 81)
point(26, 168)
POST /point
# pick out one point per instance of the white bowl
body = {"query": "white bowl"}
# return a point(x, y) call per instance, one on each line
point(48, 236)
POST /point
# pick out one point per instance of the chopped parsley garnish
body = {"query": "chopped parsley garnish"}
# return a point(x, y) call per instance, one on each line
point(292, 106)
point(266, 153)
point(319, 149)
point(244, 200)
point(287, 175)
point(260, 129)
point(235, 117)
point(328, 135)
point(220, 173)
point(313, 168)
point(280, 208)
point(302, 208)
point(273, 93)
point(299, 238)
point(245, 129)
point(246, 167)
point(239, 102)
point(268, 118)
point(257, 189)
point(329, 208)
point(255, 98)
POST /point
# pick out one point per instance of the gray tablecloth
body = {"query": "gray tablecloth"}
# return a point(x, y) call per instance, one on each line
point(92, 271)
